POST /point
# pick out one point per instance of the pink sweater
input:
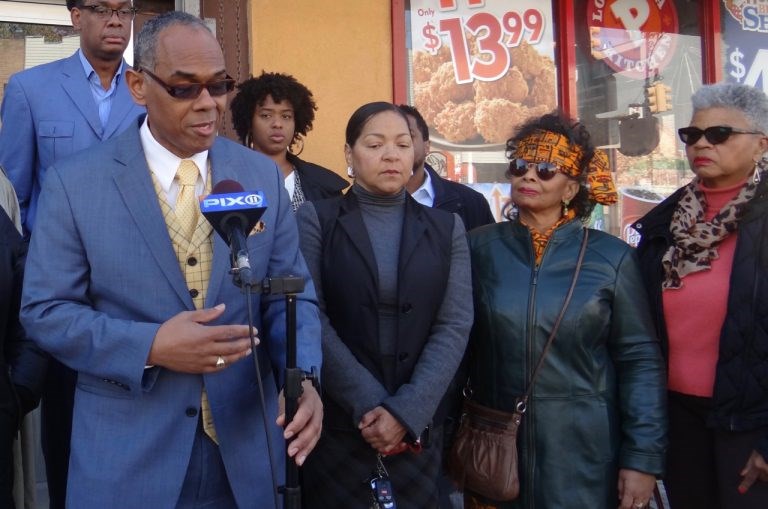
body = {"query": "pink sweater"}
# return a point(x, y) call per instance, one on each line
point(694, 314)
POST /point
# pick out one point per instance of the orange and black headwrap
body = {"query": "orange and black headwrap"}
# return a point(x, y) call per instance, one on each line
point(551, 147)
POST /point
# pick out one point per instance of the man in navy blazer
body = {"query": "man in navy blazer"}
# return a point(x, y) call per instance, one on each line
point(431, 190)
point(105, 294)
point(49, 112)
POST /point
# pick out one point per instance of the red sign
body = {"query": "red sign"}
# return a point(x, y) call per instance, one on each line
point(635, 37)
point(478, 69)
point(449, 5)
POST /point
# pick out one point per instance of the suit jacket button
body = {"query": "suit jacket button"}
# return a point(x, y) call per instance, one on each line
point(403, 356)
point(191, 261)
point(406, 308)
point(194, 293)
point(191, 411)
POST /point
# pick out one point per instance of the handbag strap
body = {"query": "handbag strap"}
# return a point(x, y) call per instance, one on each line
point(659, 498)
point(552, 334)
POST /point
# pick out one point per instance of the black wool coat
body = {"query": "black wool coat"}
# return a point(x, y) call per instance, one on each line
point(740, 398)
point(22, 363)
point(317, 183)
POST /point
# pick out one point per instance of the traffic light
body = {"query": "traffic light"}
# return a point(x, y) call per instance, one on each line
point(664, 97)
point(659, 97)
point(653, 99)
point(596, 45)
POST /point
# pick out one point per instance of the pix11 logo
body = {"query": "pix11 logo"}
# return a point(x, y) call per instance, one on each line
point(634, 37)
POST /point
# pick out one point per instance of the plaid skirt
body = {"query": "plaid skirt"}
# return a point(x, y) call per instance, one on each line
point(337, 473)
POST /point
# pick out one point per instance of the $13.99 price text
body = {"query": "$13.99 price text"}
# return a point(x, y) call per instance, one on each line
point(492, 36)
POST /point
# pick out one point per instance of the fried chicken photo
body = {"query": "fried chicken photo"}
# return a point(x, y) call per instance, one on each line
point(456, 123)
point(444, 88)
point(543, 90)
point(496, 119)
point(512, 86)
point(490, 109)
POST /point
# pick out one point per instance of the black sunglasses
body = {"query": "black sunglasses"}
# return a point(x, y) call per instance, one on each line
point(519, 167)
point(715, 134)
point(193, 90)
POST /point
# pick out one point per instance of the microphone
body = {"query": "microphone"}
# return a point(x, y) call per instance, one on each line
point(233, 212)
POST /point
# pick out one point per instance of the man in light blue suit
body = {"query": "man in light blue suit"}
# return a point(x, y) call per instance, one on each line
point(53, 110)
point(49, 112)
point(107, 292)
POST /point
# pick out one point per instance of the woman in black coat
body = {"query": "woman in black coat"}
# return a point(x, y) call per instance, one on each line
point(22, 364)
point(704, 258)
point(392, 279)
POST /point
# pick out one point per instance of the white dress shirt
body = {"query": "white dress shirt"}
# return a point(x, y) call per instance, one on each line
point(425, 194)
point(164, 164)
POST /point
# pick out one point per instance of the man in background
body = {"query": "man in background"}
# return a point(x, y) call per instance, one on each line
point(51, 111)
point(430, 189)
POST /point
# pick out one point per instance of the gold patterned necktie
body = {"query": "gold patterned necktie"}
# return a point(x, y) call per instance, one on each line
point(187, 212)
point(187, 207)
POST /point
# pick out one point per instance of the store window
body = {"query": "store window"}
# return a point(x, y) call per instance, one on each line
point(637, 64)
point(32, 34)
point(744, 25)
point(476, 69)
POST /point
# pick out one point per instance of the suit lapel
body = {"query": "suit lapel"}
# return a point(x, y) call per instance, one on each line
point(76, 85)
point(443, 194)
point(413, 230)
point(134, 183)
point(351, 221)
point(222, 168)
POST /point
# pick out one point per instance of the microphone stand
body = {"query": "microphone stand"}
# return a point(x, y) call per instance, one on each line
point(293, 390)
point(289, 286)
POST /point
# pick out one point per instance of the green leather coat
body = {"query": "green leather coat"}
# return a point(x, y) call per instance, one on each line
point(598, 404)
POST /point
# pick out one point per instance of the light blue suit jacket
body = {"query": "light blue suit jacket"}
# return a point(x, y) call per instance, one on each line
point(48, 113)
point(102, 276)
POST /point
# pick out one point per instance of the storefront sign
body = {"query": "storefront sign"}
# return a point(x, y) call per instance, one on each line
point(634, 37)
point(745, 26)
point(479, 68)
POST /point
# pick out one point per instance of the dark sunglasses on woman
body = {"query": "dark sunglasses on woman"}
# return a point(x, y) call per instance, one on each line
point(715, 134)
point(519, 167)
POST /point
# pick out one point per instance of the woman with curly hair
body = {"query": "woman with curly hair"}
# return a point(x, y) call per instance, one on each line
point(271, 114)
point(594, 432)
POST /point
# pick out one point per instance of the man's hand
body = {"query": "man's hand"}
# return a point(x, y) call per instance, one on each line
point(306, 425)
point(635, 489)
point(756, 468)
point(381, 430)
point(185, 344)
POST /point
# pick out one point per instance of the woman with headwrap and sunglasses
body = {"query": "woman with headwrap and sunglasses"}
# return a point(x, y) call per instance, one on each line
point(594, 432)
point(704, 257)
